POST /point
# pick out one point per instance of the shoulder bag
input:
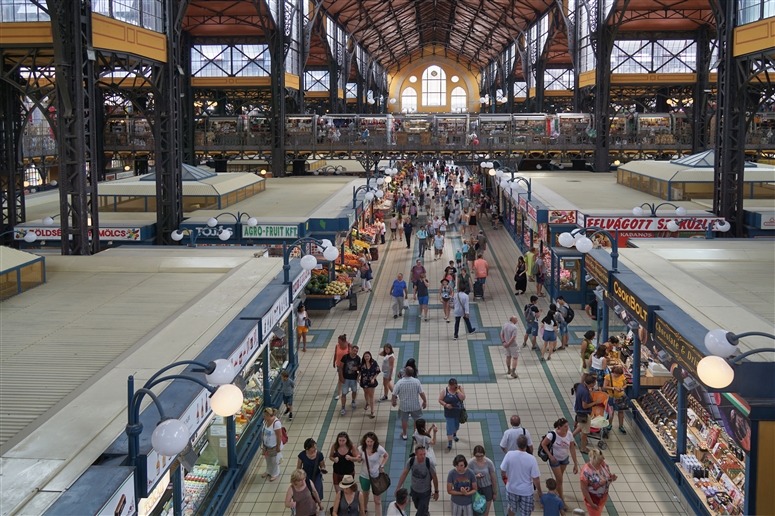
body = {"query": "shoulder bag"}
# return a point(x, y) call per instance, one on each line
point(381, 482)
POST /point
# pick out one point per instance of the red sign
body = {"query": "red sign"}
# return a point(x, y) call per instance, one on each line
point(650, 223)
point(531, 211)
point(523, 204)
point(562, 216)
point(55, 233)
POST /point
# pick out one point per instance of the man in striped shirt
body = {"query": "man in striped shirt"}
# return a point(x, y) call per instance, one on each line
point(409, 390)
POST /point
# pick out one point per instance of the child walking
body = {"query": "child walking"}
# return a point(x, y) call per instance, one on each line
point(287, 385)
point(459, 258)
point(550, 501)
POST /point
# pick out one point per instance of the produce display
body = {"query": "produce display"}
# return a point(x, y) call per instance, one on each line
point(337, 288)
point(317, 284)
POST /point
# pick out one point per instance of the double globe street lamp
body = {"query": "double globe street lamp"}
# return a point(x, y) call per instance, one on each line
point(584, 244)
point(717, 371)
point(308, 261)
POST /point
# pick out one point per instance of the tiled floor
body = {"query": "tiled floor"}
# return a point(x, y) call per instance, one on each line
point(540, 395)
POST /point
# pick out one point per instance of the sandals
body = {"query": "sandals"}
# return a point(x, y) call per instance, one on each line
point(264, 475)
point(372, 416)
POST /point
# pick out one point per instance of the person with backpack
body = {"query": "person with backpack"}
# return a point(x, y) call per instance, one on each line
point(566, 315)
point(272, 440)
point(558, 447)
point(531, 312)
point(509, 439)
point(425, 483)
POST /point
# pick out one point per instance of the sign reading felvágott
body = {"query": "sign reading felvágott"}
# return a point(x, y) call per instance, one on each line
point(650, 223)
point(270, 231)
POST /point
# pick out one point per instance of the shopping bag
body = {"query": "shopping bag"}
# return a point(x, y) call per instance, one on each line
point(406, 304)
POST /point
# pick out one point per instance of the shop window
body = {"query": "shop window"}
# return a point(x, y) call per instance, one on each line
point(409, 99)
point(459, 99)
point(434, 86)
point(570, 274)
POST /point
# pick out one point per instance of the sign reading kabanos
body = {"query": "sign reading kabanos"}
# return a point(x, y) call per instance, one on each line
point(634, 305)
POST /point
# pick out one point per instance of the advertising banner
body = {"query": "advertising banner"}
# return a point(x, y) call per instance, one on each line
point(270, 231)
point(650, 223)
point(562, 216)
point(55, 233)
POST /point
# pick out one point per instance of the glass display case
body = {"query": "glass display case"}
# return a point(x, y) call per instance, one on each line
point(570, 274)
point(253, 401)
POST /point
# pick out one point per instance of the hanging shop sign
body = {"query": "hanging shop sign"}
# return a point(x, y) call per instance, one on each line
point(270, 231)
point(581, 219)
point(246, 348)
point(650, 223)
point(562, 216)
point(674, 343)
point(596, 270)
point(532, 212)
point(300, 282)
point(55, 233)
point(122, 503)
point(273, 316)
point(633, 304)
point(523, 204)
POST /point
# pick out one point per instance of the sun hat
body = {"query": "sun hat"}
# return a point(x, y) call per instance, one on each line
point(347, 482)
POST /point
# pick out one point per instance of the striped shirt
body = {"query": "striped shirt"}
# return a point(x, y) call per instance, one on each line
point(408, 390)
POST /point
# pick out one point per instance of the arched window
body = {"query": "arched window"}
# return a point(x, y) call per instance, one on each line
point(409, 99)
point(459, 100)
point(434, 87)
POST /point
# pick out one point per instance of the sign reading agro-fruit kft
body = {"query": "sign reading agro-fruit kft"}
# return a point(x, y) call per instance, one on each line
point(270, 231)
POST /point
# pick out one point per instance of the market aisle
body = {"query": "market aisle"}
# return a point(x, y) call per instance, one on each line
point(540, 395)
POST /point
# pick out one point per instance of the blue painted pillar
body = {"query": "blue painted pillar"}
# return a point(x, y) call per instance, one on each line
point(635, 365)
point(267, 382)
point(683, 395)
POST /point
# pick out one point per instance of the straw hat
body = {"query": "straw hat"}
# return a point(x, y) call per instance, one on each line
point(347, 482)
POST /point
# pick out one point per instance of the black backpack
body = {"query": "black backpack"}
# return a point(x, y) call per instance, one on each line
point(411, 462)
point(541, 452)
point(570, 315)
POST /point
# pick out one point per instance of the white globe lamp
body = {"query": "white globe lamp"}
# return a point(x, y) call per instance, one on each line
point(718, 344)
point(380, 194)
point(48, 221)
point(680, 211)
point(637, 211)
point(673, 226)
point(227, 400)
point(566, 239)
point(212, 222)
point(252, 221)
point(331, 253)
point(224, 372)
point(176, 235)
point(224, 235)
point(380, 180)
point(722, 226)
point(30, 237)
point(369, 196)
point(326, 243)
point(715, 372)
point(170, 437)
point(308, 262)
point(584, 245)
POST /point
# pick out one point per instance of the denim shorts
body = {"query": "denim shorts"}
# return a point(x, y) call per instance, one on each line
point(423, 300)
point(563, 462)
point(532, 328)
point(563, 329)
point(549, 336)
point(349, 386)
point(288, 399)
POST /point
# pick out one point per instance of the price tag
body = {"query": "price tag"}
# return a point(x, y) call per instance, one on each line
point(337, 298)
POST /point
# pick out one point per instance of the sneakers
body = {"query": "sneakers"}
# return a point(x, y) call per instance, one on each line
point(514, 374)
point(449, 445)
point(287, 410)
point(353, 405)
point(454, 338)
point(455, 438)
point(622, 430)
point(395, 316)
point(290, 416)
point(473, 331)
point(383, 398)
point(342, 412)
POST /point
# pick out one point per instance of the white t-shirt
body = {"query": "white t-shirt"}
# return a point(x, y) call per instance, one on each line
point(270, 437)
point(393, 510)
point(521, 468)
point(374, 460)
point(561, 446)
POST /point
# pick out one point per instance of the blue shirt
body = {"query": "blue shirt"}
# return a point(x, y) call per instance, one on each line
point(582, 396)
point(552, 504)
point(398, 288)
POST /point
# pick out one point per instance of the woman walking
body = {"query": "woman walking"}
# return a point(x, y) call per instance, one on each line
point(365, 272)
point(452, 398)
point(301, 326)
point(464, 281)
point(393, 226)
point(301, 496)
point(311, 460)
point(369, 373)
point(550, 332)
point(342, 348)
point(461, 486)
point(373, 460)
point(520, 277)
point(425, 437)
point(388, 365)
point(463, 223)
point(471, 255)
point(343, 455)
point(614, 384)
point(595, 479)
point(472, 220)
point(348, 501)
point(271, 438)
point(400, 228)
point(445, 296)
point(484, 471)
point(560, 446)
point(421, 295)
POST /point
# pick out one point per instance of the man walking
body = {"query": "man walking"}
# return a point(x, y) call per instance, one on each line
point(481, 270)
point(510, 346)
point(510, 436)
point(519, 470)
point(408, 227)
point(397, 507)
point(422, 241)
point(461, 309)
point(348, 376)
point(417, 271)
point(423, 474)
point(398, 294)
point(531, 321)
point(482, 241)
point(409, 390)
point(583, 409)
